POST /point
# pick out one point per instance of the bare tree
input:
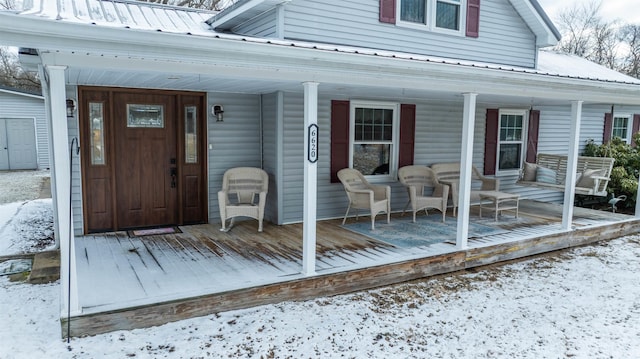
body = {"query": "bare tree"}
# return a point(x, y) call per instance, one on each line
point(8, 4)
point(577, 24)
point(196, 4)
point(12, 75)
point(630, 38)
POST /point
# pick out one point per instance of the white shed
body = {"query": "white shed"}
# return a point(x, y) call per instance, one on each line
point(24, 139)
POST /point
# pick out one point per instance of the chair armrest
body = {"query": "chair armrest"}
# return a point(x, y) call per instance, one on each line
point(381, 191)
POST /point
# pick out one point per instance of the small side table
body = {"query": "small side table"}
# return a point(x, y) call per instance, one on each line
point(498, 201)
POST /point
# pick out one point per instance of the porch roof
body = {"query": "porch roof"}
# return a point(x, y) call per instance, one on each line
point(81, 44)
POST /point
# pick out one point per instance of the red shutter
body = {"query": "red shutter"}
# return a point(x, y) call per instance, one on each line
point(388, 11)
point(473, 18)
point(532, 136)
point(608, 127)
point(339, 138)
point(491, 142)
point(636, 128)
point(407, 134)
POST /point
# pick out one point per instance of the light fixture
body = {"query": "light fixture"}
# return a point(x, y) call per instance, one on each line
point(217, 111)
point(71, 107)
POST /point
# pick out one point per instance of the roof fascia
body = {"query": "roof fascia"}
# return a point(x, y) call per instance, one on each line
point(546, 32)
point(39, 97)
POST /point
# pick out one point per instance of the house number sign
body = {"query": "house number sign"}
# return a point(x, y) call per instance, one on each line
point(312, 145)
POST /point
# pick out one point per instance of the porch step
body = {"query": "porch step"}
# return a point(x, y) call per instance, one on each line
point(46, 268)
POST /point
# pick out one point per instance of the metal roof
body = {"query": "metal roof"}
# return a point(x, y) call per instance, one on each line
point(123, 13)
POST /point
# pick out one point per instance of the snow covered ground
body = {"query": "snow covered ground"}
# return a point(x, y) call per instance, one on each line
point(583, 303)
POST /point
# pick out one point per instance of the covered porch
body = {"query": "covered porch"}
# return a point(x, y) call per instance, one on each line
point(130, 281)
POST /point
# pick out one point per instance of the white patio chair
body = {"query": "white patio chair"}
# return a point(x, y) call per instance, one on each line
point(243, 194)
point(363, 195)
point(416, 178)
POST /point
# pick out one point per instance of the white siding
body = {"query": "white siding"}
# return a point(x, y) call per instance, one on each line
point(236, 142)
point(27, 107)
point(263, 25)
point(271, 137)
point(504, 37)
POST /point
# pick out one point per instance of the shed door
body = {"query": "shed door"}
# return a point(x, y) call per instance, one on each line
point(18, 144)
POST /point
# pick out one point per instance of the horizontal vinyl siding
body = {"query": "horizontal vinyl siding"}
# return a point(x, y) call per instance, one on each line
point(235, 142)
point(76, 174)
point(504, 37)
point(270, 152)
point(263, 25)
point(26, 107)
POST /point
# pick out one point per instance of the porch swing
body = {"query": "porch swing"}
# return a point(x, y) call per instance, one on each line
point(549, 172)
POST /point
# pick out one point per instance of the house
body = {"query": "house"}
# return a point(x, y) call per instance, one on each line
point(169, 98)
point(24, 133)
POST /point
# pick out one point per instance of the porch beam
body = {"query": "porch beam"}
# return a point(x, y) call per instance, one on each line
point(572, 165)
point(61, 191)
point(310, 178)
point(466, 159)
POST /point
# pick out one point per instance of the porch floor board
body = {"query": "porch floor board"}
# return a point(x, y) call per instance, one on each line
point(116, 271)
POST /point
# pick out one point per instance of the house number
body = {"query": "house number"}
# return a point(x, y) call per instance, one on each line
point(312, 145)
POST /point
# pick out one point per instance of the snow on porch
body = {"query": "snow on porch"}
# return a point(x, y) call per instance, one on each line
point(116, 270)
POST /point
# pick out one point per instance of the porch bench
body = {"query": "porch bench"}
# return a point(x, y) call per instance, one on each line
point(549, 172)
point(449, 174)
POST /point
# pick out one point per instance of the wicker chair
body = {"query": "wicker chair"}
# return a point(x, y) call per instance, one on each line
point(363, 195)
point(243, 194)
point(416, 178)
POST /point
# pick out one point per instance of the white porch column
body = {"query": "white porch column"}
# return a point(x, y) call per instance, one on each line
point(572, 165)
point(466, 158)
point(61, 172)
point(311, 135)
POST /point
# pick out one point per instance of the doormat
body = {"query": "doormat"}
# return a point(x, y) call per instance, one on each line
point(402, 232)
point(154, 231)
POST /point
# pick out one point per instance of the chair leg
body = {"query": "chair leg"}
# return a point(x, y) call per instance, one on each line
point(373, 221)
point(345, 215)
point(260, 225)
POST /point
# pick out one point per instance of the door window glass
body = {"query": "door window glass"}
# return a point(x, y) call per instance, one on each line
point(96, 119)
point(190, 134)
point(151, 116)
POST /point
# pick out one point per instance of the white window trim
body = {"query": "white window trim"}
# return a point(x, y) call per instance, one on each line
point(629, 126)
point(431, 19)
point(525, 136)
point(395, 147)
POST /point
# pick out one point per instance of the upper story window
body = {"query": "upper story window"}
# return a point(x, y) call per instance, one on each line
point(622, 127)
point(511, 139)
point(445, 15)
point(374, 139)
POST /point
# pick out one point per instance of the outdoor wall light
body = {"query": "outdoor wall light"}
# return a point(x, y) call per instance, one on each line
point(71, 107)
point(217, 111)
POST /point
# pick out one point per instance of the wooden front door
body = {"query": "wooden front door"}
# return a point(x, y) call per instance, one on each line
point(146, 166)
point(143, 158)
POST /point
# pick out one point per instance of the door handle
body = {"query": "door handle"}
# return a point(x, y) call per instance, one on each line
point(174, 177)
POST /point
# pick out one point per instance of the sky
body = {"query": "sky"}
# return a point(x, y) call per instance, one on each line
point(609, 9)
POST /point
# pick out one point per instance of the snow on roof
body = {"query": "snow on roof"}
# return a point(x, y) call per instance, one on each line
point(153, 17)
point(124, 13)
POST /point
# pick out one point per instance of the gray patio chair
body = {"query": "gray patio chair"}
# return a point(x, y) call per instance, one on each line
point(363, 195)
point(243, 194)
point(416, 178)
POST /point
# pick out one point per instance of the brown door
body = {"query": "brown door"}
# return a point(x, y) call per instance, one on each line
point(143, 158)
point(146, 171)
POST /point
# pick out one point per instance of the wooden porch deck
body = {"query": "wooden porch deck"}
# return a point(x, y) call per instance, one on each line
point(129, 282)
